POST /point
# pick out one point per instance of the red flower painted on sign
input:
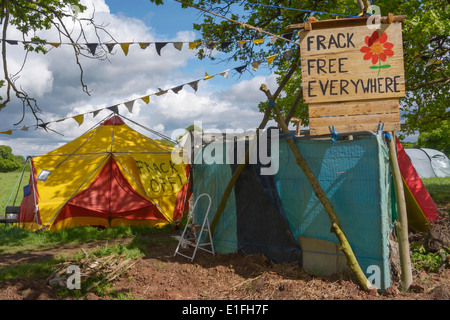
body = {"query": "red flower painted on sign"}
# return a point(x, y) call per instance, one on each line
point(377, 50)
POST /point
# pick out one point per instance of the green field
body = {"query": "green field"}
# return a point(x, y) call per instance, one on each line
point(439, 189)
point(7, 184)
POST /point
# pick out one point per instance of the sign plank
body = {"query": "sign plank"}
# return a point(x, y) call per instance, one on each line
point(352, 63)
point(354, 116)
point(351, 108)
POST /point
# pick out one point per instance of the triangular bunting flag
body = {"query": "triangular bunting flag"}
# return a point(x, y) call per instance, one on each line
point(207, 76)
point(288, 35)
point(256, 65)
point(273, 39)
point(161, 92)
point(225, 74)
point(125, 47)
point(287, 54)
point(79, 119)
point(25, 128)
point(240, 69)
point(54, 44)
point(270, 59)
point(194, 85)
point(242, 43)
point(178, 45)
point(144, 45)
point(129, 105)
point(225, 44)
point(258, 41)
point(43, 125)
point(114, 109)
point(13, 42)
point(210, 45)
point(159, 46)
point(7, 132)
point(146, 99)
point(95, 113)
point(110, 46)
point(92, 47)
point(177, 89)
point(193, 45)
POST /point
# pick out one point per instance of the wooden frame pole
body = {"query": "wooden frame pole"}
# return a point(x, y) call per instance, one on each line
point(401, 225)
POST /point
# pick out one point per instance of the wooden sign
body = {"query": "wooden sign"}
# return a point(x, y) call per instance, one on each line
point(353, 77)
point(354, 63)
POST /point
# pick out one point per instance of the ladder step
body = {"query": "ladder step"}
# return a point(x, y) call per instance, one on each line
point(196, 229)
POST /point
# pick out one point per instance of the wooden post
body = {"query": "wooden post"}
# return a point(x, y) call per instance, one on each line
point(402, 224)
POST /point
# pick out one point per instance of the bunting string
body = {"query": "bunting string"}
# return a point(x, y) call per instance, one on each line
point(125, 46)
point(242, 24)
point(146, 99)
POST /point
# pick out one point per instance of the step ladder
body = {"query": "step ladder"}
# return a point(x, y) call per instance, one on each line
point(194, 237)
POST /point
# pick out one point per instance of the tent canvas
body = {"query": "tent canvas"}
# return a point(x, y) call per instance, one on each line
point(429, 163)
point(420, 206)
point(110, 175)
point(280, 217)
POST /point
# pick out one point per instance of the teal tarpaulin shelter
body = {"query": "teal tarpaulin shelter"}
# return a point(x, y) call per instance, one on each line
point(279, 215)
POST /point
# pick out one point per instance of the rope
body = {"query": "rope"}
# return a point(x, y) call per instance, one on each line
point(293, 9)
point(242, 24)
point(150, 130)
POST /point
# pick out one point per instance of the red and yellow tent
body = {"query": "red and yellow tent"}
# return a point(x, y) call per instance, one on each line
point(109, 176)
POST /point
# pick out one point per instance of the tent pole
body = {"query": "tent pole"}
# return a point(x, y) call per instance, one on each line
point(402, 224)
point(336, 227)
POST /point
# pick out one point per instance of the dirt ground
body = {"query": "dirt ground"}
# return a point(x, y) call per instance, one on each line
point(161, 276)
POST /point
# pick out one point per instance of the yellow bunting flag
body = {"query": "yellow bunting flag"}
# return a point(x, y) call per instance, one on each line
point(193, 45)
point(79, 119)
point(258, 41)
point(146, 99)
point(54, 44)
point(7, 132)
point(207, 76)
point(270, 59)
point(125, 47)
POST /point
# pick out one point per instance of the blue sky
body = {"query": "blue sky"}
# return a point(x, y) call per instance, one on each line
point(53, 79)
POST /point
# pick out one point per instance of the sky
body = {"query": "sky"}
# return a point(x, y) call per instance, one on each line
point(54, 80)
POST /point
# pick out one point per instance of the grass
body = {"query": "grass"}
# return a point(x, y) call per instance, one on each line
point(7, 183)
point(439, 189)
point(15, 240)
point(13, 237)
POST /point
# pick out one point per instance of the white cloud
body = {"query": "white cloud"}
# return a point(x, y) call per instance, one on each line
point(55, 79)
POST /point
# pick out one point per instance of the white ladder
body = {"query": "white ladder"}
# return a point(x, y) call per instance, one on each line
point(190, 237)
